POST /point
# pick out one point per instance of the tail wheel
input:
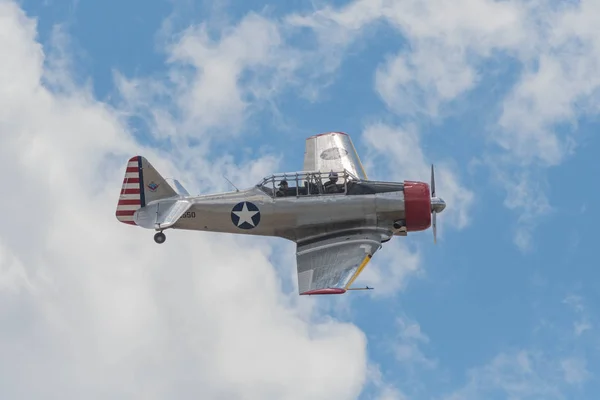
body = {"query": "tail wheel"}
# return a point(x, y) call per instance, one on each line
point(160, 238)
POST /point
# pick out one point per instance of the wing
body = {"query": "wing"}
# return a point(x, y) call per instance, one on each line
point(332, 151)
point(162, 214)
point(331, 265)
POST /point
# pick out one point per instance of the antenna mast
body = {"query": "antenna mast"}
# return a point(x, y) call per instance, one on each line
point(236, 189)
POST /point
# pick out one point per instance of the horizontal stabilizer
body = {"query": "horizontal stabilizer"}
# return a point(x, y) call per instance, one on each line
point(161, 214)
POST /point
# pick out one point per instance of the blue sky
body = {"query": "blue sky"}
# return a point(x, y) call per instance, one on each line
point(503, 97)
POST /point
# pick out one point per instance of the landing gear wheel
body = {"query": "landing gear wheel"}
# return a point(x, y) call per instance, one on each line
point(160, 238)
point(399, 224)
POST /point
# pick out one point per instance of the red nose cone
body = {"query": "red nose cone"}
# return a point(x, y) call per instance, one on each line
point(417, 202)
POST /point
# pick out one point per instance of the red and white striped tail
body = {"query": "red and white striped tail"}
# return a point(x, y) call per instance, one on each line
point(132, 193)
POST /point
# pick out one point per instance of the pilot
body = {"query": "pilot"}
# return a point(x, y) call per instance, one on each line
point(283, 187)
point(331, 185)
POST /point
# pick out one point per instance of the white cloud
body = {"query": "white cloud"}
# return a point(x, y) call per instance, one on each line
point(382, 389)
point(575, 302)
point(575, 370)
point(529, 112)
point(336, 30)
point(92, 308)
point(214, 97)
point(391, 393)
point(407, 344)
point(410, 82)
point(213, 84)
point(517, 375)
point(447, 44)
point(446, 41)
point(582, 323)
point(408, 378)
point(524, 375)
point(390, 268)
point(526, 193)
point(559, 86)
point(581, 326)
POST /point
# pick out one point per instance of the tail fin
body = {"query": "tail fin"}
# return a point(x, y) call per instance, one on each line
point(141, 185)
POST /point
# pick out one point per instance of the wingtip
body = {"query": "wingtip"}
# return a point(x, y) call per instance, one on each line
point(324, 291)
point(328, 133)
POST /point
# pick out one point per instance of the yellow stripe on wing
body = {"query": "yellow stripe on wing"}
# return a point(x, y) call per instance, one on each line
point(362, 266)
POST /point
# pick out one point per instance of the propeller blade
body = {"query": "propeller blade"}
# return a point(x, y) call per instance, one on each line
point(434, 228)
point(432, 182)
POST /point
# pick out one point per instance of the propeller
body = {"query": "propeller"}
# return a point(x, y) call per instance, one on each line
point(437, 205)
point(433, 219)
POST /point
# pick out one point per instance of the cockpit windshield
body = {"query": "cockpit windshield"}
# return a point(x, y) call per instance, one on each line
point(306, 183)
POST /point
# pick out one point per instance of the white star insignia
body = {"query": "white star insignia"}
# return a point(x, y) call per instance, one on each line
point(245, 215)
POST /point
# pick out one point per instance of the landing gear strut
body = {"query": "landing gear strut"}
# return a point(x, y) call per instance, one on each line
point(160, 238)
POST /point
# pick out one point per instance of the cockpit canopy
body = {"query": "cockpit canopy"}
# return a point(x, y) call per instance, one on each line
point(317, 183)
point(306, 183)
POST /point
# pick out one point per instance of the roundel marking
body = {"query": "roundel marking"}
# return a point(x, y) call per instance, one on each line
point(333, 153)
point(245, 215)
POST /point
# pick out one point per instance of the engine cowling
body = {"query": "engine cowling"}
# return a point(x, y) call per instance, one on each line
point(417, 203)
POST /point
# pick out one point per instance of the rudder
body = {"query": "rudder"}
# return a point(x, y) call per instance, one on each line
point(142, 184)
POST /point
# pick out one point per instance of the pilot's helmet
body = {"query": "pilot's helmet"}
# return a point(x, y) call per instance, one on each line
point(283, 183)
point(333, 176)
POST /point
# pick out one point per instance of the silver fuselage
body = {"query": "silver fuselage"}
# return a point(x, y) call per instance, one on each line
point(295, 217)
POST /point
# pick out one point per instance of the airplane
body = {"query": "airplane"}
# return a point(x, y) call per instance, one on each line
point(337, 217)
